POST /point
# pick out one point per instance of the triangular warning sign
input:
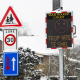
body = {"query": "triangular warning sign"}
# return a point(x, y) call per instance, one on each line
point(10, 19)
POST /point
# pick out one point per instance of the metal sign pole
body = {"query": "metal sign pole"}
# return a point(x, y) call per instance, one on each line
point(49, 67)
point(61, 64)
point(11, 77)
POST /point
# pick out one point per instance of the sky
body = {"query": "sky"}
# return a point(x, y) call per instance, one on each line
point(33, 12)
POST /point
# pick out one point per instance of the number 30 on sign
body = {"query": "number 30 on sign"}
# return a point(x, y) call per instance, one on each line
point(10, 39)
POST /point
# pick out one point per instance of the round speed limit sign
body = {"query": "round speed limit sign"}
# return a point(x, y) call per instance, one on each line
point(10, 39)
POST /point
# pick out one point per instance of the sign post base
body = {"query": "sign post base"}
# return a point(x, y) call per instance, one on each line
point(11, 77)
point(61, 64)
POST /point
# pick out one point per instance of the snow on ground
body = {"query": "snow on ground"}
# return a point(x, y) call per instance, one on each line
point(43, 78)
point(36, 44)
point(74, 60)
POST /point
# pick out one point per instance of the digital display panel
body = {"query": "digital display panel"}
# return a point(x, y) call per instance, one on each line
point(59, 30)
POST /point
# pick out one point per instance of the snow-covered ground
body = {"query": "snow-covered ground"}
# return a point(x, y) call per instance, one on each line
point(43, 78)
point(36, 44)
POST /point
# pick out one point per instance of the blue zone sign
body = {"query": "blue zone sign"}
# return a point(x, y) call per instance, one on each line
point(10, 63)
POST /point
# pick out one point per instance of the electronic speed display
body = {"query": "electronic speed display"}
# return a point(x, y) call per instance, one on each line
point(59, 30)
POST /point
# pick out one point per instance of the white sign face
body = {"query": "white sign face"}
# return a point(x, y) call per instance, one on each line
point(10, 39)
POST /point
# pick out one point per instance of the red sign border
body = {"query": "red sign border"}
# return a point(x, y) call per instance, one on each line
point(10, 9)
point(13, 37)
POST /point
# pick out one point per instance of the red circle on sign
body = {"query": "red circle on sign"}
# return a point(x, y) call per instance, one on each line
point(13, 37)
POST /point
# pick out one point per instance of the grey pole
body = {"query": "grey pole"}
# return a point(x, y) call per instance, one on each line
point(49, 67)
point(61, 64)
point(11, 77)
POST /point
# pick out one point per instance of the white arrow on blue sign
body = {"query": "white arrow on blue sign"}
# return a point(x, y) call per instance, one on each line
point(10, 63)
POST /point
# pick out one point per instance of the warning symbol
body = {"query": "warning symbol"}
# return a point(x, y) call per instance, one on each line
point(10, 19)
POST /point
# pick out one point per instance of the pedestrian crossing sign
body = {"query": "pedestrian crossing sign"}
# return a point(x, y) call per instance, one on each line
point(10, 19)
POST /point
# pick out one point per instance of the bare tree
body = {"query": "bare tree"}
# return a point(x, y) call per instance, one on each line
point(24, 30)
